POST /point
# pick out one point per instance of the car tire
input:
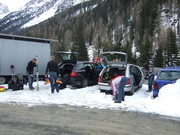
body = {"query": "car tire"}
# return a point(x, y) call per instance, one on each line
point(84, 83)
point(109, 92)
point(132, 91)
point(140, 86)
point(102, 91)
point(2, 80)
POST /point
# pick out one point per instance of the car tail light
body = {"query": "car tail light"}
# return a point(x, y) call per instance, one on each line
point(129, 81)
point(73, 74)
point(155, 85)
point(100, 79)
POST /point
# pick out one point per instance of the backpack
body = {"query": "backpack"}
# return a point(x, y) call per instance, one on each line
point(17, 83)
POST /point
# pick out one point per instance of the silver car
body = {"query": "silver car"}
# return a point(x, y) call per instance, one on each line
point(113, 68)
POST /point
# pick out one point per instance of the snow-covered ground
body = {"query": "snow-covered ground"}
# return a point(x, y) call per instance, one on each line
point(166, 104)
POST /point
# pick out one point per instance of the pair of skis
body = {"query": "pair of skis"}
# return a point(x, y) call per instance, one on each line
point(37, 73)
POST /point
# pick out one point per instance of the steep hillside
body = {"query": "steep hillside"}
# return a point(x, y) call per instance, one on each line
point(33, 13)
point(116, 25)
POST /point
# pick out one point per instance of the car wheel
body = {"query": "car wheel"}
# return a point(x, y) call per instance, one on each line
point(2, 80)
point(102, 91)
point(140, 86)
point(132, 90)
point(84, 83)
point(109, 92)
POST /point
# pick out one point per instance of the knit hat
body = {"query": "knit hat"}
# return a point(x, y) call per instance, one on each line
point(35, 59)
point(52, 57)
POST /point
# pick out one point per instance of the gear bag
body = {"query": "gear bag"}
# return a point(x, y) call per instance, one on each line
point(2, 89)
point(17, 83)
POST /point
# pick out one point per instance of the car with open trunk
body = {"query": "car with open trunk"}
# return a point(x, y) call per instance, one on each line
point(116, 64)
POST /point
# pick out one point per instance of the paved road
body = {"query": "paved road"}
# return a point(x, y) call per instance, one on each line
point(68, 120)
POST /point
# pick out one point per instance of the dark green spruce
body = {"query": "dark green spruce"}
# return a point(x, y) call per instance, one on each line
point(79, 46)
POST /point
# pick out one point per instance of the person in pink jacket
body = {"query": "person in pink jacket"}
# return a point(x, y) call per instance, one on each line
point(118, 83)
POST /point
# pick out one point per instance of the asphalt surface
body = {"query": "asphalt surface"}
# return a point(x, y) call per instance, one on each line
point(70, 120)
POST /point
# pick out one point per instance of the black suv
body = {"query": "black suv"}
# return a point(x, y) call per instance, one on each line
point(77, 74)
point(84, 74)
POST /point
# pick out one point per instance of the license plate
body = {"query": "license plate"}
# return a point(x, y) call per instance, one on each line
point(105, 87)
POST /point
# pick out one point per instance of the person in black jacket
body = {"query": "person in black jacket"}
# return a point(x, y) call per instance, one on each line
point(149, 75)
point(52, 69)
point(29, 70)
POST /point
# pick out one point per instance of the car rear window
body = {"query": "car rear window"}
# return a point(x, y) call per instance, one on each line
point(81, 66)
point(115, 57)
point(169, 75)
point(66, 65)
point(67, 56)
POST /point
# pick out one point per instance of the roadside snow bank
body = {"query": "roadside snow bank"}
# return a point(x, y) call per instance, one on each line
point(166, 104)
point(169, 99)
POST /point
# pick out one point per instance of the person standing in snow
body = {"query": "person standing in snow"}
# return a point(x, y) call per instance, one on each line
point(52, 69)
point(150, 75)
point(118, 83)
point(29, 70)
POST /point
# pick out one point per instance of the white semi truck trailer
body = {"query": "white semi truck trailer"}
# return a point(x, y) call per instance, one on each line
point(17, 51)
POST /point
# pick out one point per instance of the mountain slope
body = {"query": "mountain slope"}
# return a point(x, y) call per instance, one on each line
point(3, 10)
point(114, 25)
point(34, 12)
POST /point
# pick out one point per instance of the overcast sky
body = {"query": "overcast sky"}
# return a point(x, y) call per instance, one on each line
point(14, 4)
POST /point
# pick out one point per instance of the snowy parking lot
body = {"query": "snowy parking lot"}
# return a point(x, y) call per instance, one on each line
point(166, 104)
